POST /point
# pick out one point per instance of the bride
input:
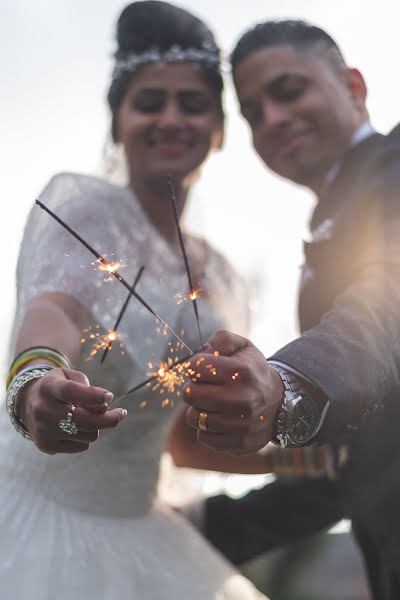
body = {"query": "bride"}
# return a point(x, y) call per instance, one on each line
point(81, 518)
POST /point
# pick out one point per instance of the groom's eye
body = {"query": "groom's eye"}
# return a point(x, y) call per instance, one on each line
point(289, 88)
point(289, 94)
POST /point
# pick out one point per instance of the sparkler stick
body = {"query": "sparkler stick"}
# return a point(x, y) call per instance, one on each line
point(121, 314)
point(154, 377)
point(185, 258)
point(112, 272)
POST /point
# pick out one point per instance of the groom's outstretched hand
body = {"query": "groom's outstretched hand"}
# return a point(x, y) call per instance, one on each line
point(233, 395)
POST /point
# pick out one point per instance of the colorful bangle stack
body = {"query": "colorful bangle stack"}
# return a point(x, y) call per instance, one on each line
point(37, 353)
point(17, 379)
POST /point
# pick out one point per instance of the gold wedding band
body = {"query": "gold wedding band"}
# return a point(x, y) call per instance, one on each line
point(202, 422)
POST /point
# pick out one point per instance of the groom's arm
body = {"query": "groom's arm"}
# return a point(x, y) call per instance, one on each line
point(269, 518)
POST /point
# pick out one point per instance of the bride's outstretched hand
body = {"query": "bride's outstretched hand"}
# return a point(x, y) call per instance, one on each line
point(63, 413)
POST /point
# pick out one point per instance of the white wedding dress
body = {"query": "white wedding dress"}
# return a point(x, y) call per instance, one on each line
point(91, 525)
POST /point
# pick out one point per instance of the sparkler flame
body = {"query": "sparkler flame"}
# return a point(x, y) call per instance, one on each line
point(110, 267)
point(191, 295)
point(100, 341)
point(169, 376)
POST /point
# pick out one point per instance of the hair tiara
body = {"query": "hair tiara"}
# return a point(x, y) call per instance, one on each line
point(207, 55)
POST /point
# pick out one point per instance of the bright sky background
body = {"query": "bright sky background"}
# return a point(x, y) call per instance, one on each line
point(55, 67)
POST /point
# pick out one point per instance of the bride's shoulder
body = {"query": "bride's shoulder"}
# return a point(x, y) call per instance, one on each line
point(69, 185)
point(68, 192)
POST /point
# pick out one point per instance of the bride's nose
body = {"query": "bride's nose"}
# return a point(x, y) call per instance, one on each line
point(171, 116)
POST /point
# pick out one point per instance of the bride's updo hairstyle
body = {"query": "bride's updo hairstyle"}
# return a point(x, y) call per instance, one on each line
point(151, 32)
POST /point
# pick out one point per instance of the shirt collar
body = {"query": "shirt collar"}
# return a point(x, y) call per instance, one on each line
point(363, 132)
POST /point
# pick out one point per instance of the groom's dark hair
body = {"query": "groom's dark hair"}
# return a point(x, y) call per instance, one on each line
point(298, 34)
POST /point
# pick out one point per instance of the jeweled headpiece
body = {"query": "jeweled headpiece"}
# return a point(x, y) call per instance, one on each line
point(207, 55)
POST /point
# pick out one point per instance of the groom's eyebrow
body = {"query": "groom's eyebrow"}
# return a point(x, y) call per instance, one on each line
point(283, 78)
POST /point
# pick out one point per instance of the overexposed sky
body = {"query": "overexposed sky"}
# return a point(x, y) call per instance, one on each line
point(55, 58)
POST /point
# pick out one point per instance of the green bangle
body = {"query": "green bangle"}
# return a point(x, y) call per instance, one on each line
point(35, 353)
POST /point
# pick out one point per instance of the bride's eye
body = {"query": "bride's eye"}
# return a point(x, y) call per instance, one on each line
point(194, 103)
point(148, 101)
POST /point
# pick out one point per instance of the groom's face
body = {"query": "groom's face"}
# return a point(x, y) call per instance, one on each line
point(302, 112)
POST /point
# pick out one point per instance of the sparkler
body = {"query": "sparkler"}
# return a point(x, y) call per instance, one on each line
point(109, 268)
point(113, 333)
point(162, 374)
point(100, 341)
point(193, 294)
point(112, 272)
point(167, 379)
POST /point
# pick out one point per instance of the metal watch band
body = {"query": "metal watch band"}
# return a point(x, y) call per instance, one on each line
point(292, 391)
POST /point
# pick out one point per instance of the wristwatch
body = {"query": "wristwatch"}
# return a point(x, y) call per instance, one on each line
point(299, 418)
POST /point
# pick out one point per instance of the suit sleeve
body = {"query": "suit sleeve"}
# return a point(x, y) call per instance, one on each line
point(353, 354)
point(278, 514)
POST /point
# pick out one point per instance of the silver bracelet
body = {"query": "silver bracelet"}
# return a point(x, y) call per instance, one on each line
point(14, 388)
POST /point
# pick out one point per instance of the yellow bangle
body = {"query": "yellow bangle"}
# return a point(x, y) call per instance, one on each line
point(37, 353)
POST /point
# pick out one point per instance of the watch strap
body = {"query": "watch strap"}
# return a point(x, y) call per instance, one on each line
point(292, 391)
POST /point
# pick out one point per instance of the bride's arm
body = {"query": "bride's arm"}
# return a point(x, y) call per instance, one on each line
point(55, 320)
point(186, 451)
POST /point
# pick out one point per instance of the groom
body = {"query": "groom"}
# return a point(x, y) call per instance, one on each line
point(339, 381)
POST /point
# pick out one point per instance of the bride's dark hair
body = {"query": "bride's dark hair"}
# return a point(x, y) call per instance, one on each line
point(149, 24)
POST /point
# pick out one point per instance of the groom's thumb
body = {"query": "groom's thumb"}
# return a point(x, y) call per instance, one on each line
point(225, 343)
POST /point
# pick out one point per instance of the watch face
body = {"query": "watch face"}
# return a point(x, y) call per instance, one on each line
point(302, 420)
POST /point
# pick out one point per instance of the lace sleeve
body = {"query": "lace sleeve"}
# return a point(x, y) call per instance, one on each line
point(51, 259)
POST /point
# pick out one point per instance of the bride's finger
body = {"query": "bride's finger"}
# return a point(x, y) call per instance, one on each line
point(89, 421)
point(77, 376)
point(67, 391)
point(82, 437)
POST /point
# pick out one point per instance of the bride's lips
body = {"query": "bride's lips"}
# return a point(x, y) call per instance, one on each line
point(170, 148)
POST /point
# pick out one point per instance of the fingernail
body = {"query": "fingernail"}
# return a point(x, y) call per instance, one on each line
point(108, 397)
point(124, 413)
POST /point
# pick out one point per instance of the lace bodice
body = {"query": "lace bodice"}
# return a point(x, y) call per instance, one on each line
point(119, 474)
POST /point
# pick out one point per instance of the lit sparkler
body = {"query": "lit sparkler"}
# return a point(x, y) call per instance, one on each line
point(110, 268)
point(162, 375)
point(113, 333)
point(101, 341)
point(114, 273)
point(192, 293)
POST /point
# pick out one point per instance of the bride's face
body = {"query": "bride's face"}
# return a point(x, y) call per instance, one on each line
point(168, 122)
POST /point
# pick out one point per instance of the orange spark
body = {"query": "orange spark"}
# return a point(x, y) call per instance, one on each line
point(110, 267)
point(191, 295)
point(100, 340)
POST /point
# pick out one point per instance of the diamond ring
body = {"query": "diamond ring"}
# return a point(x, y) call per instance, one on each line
point(67, 424)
